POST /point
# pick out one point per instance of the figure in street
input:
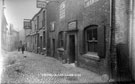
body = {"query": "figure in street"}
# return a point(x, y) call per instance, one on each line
point(23, 49)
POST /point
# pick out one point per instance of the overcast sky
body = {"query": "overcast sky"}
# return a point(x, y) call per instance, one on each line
point(17, 10)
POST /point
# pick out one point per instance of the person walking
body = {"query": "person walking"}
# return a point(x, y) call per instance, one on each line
point(23, 49)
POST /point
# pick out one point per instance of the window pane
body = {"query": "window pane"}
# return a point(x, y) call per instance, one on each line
point(61, 39)
point(95, 34)
point(89, 34)
point(91, 39)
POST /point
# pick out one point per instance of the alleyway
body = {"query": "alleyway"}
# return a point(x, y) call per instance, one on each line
point(31, 68)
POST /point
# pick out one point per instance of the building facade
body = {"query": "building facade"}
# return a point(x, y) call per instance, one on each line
point(74, 38)
point(36, 34)
point(41, 31)
point(4, 31)
point(12, 39)
point(90, 33)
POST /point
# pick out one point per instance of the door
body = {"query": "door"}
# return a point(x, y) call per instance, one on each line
point(53, 47)
point(71, 48)
point(40, 44)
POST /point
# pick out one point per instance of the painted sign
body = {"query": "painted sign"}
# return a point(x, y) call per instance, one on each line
point(89, 2)
point(41, 3)
point(27, 24)
point(72, 25)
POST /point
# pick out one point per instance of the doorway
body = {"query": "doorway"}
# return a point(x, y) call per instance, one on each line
point(72, 49)
point(40, 44)
point(53, 47)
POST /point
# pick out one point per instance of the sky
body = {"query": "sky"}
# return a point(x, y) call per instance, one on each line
point(18, 10)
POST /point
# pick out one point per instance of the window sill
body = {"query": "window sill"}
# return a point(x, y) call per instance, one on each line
point(92, 55)
point(60, 49)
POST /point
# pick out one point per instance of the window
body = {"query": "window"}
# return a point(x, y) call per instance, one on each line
point(38, 40)
point(35, 27)
point(43, 24)
point(52, 26)
point(35, 39)
point(44, 39)
point(62, 10)
point(91, 39)
point(95, 40)
point(37, 22)
point(61, 41)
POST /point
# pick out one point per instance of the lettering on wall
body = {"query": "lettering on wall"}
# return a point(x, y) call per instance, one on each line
point(89, 2)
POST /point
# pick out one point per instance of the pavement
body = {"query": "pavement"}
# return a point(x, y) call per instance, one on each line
point(29, 68)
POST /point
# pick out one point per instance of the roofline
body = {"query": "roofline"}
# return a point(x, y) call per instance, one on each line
point(37, 13)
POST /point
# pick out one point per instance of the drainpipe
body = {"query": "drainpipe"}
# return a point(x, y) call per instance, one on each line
point(112, 58)
point(131, 38)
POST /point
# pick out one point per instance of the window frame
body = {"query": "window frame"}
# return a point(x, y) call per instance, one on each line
point(44, 39)
point(61, 39)
point(88, 41)
point(43, 24)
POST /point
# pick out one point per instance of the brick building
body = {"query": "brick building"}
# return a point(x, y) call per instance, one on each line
point(36, 33)
point(85, 32)
point(70, 39)
point(41, 31)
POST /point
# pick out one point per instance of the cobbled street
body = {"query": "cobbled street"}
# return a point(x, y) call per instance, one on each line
point(29, 68)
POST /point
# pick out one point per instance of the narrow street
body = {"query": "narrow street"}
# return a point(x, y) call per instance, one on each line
point(29, 68)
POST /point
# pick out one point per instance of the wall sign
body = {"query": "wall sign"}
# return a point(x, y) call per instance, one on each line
point(72, 25)
point(41, 3)
point(27, 24)
point(89, 2)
